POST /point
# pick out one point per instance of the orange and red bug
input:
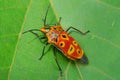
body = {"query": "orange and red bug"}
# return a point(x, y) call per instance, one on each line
point(61, 40)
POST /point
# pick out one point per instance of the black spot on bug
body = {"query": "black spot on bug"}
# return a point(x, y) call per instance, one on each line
point(61, 44)
point(71, 48)
point(78, 51)
point(56, 40)
point(75, 42)
point(64, 36)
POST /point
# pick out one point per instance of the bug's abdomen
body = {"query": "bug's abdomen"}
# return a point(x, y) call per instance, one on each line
point(69, 46)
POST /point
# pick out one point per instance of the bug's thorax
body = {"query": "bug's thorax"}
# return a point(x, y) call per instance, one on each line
point(52, 33)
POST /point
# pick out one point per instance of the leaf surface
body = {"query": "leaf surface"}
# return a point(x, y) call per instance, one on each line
point(101, 45)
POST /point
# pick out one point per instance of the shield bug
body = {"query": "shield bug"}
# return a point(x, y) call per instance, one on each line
point(60, 39)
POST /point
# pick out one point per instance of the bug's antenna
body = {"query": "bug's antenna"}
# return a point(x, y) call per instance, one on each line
point(44, 20)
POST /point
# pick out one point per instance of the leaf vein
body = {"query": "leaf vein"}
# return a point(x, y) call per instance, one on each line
point(19, 36)
point(106, 4)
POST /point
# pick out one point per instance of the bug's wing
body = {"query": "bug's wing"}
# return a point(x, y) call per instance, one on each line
point(70, 48)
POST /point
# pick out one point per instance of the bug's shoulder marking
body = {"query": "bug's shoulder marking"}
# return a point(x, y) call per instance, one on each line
point(53, 34)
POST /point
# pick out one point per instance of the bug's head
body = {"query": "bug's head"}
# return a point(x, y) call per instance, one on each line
point(45, 29)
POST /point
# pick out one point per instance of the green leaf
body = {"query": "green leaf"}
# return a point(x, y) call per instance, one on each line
point(11, 18)
point(20, 52)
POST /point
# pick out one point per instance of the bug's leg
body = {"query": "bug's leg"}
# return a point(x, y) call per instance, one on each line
point(30, 31)
point(44, 20)
point(58, 23)
point(83, 33)
point(55, 57)
point(38, 36)
point(43, 52)
point(40, 39)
